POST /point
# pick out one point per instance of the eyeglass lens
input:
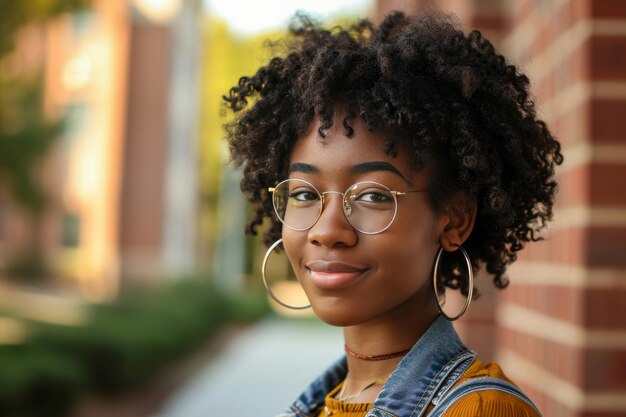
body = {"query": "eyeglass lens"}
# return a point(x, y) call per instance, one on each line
point(368, 206)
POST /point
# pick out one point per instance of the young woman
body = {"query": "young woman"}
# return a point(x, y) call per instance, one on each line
point(394, 161)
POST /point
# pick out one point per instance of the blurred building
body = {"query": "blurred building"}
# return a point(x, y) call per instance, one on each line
point(121, 182)
point(560, 329)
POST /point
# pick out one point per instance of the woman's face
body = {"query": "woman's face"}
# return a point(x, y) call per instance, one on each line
point(350, 277)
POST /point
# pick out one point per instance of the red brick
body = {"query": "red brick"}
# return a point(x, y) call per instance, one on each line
point(539, 398)
point(409, 6)
point(574, 186)
point(606, 181)
point(494, 23)
point(561, 360)
point(578, 63)
point(571, 70)
point(522, 13)
point(553, 24)
point(477, 327)
point(599, 246)
point(604, 308)
point(593, 184)
point(481, 338)
point(522, 9)
point(146, 147)
point(592, 308)
point(572, 127)
point(558, 301)
point(607, 246)
point(608, 121)
point(605, 370)
point(608, 57)
point(556, 408)
point(544, 89)
point(609, 9)
point(579, 9)
point(541, 39)
point(567, 246)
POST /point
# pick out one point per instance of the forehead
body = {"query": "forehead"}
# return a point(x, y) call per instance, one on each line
point(337, 154)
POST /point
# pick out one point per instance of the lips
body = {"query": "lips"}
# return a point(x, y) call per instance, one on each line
point(334, 275)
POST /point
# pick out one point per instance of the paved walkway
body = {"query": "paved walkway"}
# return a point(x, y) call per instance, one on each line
point(263, 370)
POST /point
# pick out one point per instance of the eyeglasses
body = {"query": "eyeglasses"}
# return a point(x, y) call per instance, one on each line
point(369, 207)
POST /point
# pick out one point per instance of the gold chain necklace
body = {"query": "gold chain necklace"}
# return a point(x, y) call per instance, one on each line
point(343, 398)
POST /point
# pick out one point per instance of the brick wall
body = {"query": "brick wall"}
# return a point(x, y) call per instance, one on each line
point(559, 330)
point(562, 326)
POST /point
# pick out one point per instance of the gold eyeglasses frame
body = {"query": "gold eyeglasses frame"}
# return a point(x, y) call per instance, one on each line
point(346, 203)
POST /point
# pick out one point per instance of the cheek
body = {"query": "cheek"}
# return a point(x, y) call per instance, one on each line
point(407, 260)
point(411, 246)
point(418, 218)
point(293, 242)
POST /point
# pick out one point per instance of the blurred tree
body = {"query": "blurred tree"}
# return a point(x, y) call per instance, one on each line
point(17, 14)
point(25, 133)
point(226, 57)
point(25, 136)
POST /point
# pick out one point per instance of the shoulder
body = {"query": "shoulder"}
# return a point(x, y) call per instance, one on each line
point(489, 403)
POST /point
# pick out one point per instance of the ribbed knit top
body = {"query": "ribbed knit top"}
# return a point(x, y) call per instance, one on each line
point(479, 404)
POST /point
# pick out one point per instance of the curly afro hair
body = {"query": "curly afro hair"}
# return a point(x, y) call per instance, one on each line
point(420, 82)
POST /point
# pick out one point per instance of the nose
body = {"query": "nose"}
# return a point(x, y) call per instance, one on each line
point(332, 229)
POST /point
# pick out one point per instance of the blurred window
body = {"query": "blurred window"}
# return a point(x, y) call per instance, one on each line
point(76, 119)
point(71, 231)
point(82, 21)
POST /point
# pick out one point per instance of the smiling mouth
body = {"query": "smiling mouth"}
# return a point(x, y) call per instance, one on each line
point(333, 275)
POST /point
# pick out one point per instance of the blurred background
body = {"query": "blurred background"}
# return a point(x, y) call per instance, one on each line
point(127, 286)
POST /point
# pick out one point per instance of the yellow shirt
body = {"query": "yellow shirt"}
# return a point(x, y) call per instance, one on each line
point(488, 403)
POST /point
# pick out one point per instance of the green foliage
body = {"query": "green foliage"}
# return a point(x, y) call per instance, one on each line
point(123, 344)
point(225, 58)
point(25, 136)
point(248, 307)
point(16, 14)
point(28, 373)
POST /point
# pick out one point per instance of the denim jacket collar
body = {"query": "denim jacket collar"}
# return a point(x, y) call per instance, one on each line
point(430, 368)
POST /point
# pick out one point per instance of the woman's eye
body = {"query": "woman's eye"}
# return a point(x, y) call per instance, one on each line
point(303, 196)
point(374, 197)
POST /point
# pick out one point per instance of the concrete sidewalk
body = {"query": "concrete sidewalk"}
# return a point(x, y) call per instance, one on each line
point(261, 372)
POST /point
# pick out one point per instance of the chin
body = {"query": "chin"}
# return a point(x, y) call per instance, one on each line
point(337, 315)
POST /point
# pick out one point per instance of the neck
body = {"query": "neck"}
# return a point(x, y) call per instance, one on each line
point(398, 332)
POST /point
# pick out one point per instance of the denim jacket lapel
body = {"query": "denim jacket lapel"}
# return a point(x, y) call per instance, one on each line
point(311, 400)
point(435, 362)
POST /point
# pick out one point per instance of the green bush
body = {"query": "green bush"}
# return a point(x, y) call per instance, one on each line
point(123, 344)
point(248, 307)
point(37, 382)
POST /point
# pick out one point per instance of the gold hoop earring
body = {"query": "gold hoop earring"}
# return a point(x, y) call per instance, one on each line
point(470, 289)
point(266, 284)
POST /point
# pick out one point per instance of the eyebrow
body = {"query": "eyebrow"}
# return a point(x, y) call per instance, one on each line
point(302, 167)
point(373, 166)
point(361, 168)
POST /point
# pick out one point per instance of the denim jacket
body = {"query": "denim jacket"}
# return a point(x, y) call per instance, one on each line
point(427, 372)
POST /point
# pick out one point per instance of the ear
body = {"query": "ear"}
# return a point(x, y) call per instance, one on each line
point(457, 221)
